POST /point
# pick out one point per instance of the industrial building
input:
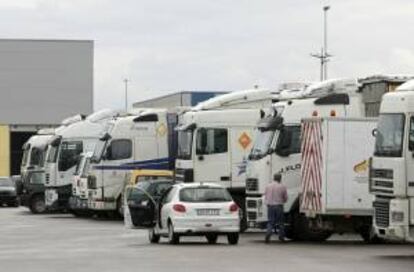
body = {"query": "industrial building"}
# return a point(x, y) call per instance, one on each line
point(42, 83)
point(180, 99)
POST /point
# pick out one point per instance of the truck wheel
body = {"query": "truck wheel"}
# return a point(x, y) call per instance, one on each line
point(120, 207)
point(153, 238)
point(302, 231)
point(212, 238)
point(37, 204)
point(233, 238)
point(173, 238)
point(369, 236)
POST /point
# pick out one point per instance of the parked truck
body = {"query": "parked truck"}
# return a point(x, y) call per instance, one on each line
point(215, 138)
point(277, 148)
point(143, 141)
point(334, 175)
point(31, 187)
point(392, 166)
point(64, 150)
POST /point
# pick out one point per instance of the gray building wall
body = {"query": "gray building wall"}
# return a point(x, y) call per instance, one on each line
point(181, 99)
point(45, 81)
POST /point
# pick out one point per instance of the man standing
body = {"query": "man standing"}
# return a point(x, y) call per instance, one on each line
point(275, 197)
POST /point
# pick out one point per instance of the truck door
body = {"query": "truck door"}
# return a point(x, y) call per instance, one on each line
point(212, 156)
point(118, 154)
point(287, 160)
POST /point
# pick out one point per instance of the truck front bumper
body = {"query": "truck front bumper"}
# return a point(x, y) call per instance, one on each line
point(77, 203)
point(100, 205)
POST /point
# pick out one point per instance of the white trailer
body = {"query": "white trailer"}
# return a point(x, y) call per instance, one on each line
point(392, 166)
point(81, 135)
point(334, 174)
point(143, 141)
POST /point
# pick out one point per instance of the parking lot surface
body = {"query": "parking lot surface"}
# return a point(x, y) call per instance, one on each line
point(61, 242)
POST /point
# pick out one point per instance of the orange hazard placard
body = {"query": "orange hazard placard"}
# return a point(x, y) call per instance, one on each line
point(244, 140)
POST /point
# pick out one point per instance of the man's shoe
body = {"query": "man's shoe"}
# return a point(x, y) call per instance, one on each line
point(267, 239)
point(282, 240)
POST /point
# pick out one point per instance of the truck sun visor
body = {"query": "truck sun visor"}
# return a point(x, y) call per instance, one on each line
point(147, 118)
point(333, 99)
point(191, 126)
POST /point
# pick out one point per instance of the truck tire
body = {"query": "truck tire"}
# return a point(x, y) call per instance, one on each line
point(212, 238)
point(302, 232)
point(233, 238)
point(37, 204)
point(369, 236)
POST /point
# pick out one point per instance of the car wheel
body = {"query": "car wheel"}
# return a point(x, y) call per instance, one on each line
point(37, 204)
point(173, 238)
point(212, 238)
point(153, 237)
point(233, 238)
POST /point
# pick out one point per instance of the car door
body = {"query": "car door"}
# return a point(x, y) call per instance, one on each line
point(141, 207)
point(164, 208)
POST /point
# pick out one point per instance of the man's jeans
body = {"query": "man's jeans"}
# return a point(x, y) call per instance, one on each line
point(275, 216)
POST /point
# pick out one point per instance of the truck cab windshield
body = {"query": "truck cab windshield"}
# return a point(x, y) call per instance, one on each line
point(185, 141)
point(69, 155)
point(262, 144)
point(389, 137)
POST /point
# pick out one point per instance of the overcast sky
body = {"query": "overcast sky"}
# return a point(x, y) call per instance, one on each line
point(170, 45)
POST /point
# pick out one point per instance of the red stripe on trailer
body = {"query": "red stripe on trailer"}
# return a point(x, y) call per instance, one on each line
point(311, 171)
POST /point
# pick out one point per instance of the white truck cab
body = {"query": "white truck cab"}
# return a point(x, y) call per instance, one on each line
point(64, 151)
point(145, 140)
point(392, 166)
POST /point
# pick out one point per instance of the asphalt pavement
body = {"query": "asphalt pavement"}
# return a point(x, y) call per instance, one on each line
point(61, 242)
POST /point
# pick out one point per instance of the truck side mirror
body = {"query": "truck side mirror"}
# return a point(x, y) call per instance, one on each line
point(108, 153)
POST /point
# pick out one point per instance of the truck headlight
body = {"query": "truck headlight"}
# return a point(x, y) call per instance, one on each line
point(397, 216)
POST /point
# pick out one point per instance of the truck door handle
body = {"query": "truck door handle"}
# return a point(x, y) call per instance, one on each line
point(225, 178)
point(201, 158)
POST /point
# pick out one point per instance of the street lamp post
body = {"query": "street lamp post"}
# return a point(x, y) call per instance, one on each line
point(324, 56)
point(126, 93)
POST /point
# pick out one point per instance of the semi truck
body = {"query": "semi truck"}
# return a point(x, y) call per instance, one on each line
point(392, 166)
point(64, 150)
point(277, 148)
point(143, 141)
point(31, 187)
point(334, 175)
point(215, 138)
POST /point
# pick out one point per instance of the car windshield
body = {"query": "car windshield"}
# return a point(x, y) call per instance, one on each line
point(6, 182)
point(262, 144)
point(389, 137)
point(185, 140)
point(204, 194)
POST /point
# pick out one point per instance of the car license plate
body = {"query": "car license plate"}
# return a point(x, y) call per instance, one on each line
point(208, 212)
point(51, 197)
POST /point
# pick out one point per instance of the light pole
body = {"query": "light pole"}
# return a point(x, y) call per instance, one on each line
point(126, 93)
point(324, 56)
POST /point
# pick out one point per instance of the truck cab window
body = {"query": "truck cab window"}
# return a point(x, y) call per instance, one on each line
point(120, 149)
point(411, 135)
point(69, 155)
point(211, 141)
point(289, 140)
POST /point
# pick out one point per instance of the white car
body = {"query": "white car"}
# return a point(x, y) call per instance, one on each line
point(193, 209)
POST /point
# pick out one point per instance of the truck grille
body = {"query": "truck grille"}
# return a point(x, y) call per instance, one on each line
point(251, 216)
point(383, 183)
point(252, 185)
point(382, 213)
point(184, 175)
point(47, 177)
point(251, 203)
point(382, 173)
